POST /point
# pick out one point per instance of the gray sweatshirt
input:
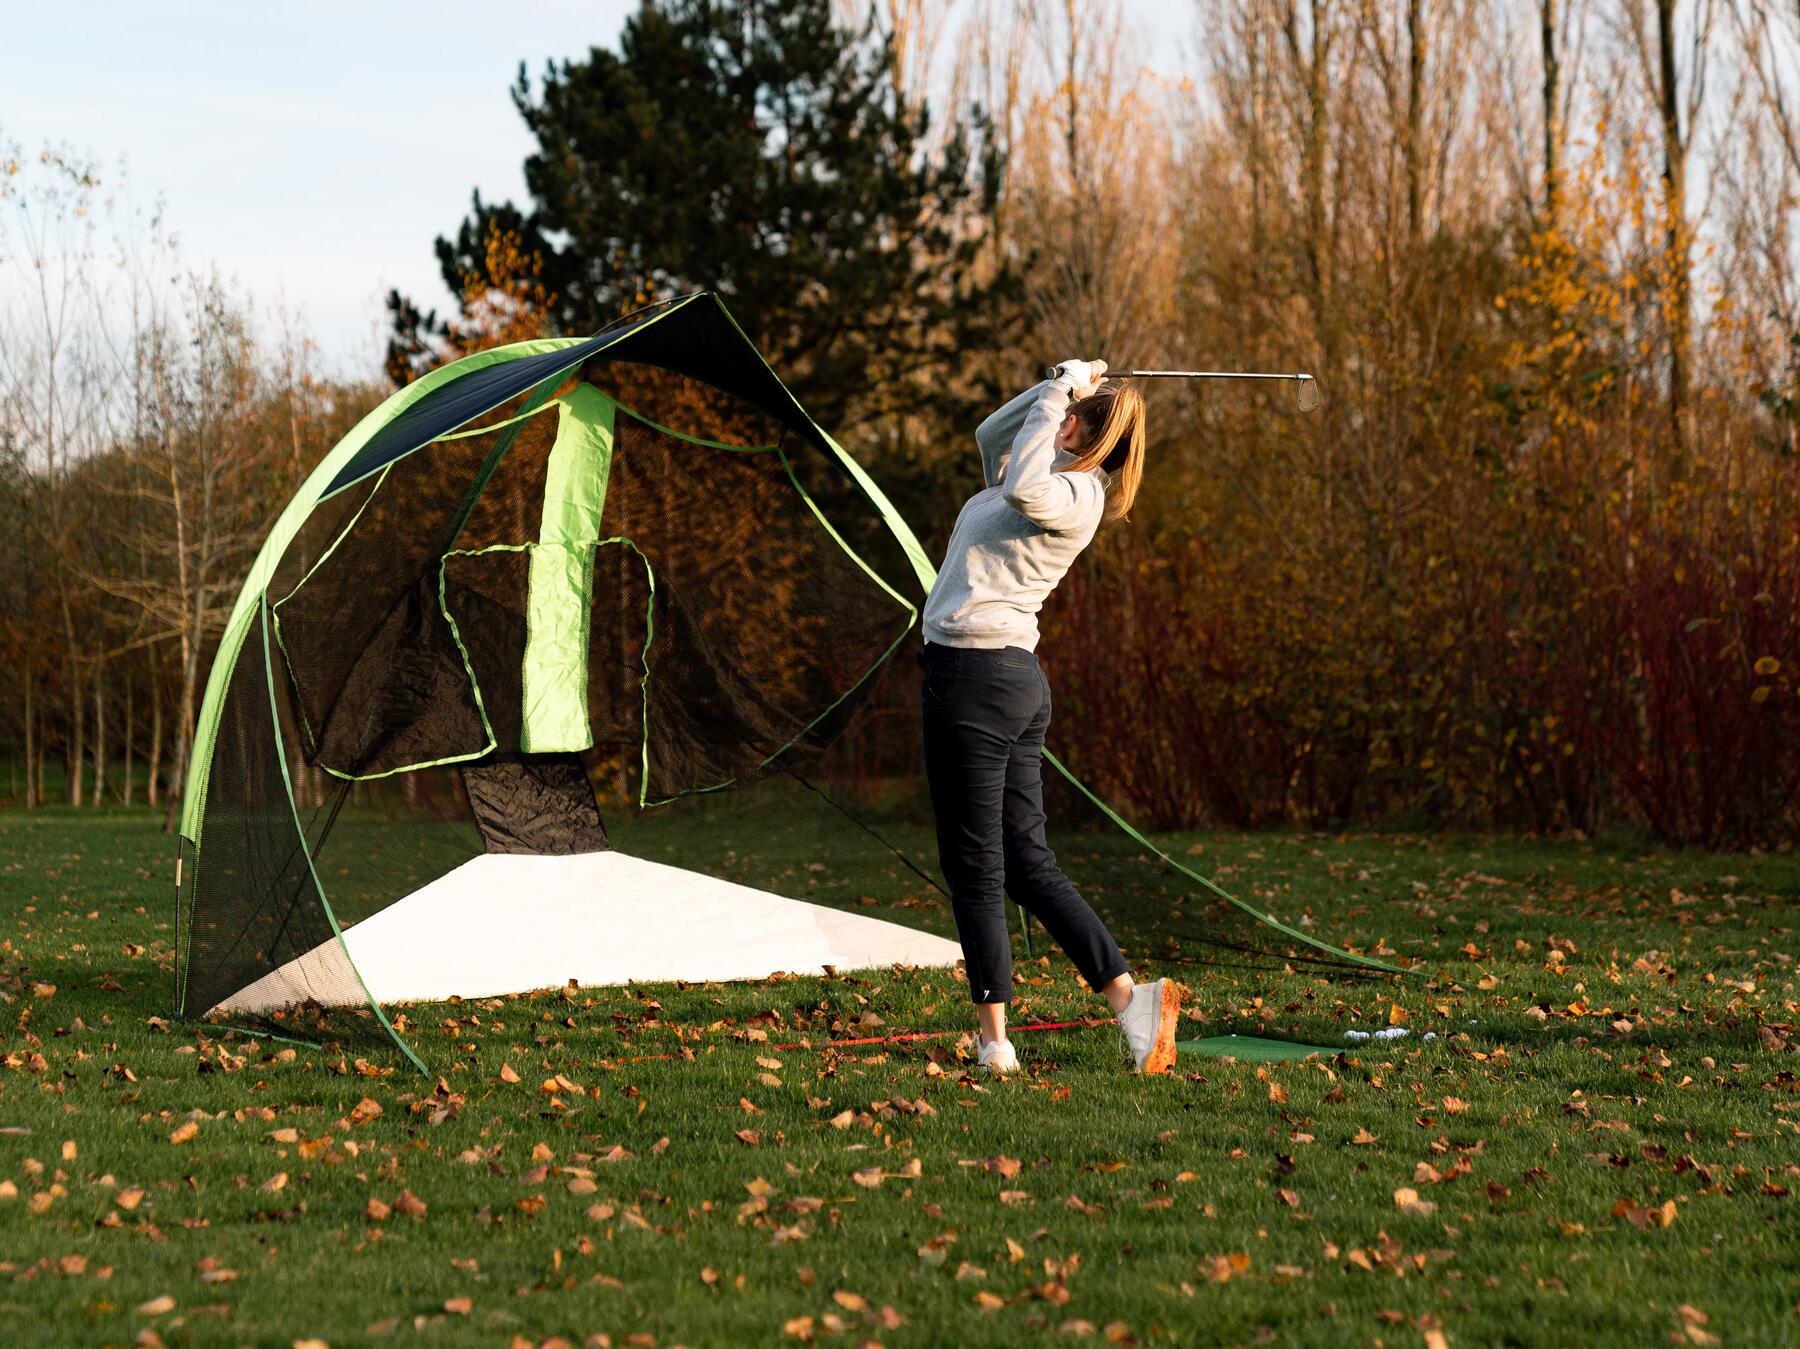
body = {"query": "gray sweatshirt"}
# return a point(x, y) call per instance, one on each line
point(1017, 536)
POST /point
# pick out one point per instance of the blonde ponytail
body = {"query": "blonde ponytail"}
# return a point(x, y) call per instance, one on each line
point(1113, 420)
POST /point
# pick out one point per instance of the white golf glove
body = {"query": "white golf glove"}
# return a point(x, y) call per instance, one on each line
point(1082, 375)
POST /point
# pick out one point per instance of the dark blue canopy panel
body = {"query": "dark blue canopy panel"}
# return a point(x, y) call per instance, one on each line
point(459, 401)
point(693, 336)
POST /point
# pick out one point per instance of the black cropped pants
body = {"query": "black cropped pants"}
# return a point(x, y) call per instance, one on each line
point(986, 712)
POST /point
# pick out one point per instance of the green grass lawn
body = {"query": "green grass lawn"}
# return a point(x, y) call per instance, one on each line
point(1599, 1145)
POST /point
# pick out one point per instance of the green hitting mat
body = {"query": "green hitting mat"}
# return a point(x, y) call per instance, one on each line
point(1249, 1049)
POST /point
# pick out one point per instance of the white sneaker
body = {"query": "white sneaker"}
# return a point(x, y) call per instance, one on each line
point(1149, 1021)
point(998, 1056)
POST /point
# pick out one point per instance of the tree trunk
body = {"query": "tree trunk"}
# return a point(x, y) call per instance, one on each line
point(99, 729)
point(1675, 229)
point(184, 713)
point(177, 774)
point(151, 785)
point(1314, 149)
point(1314, 69)
point(1415, 118)
point(1258, 70)
point(1553, 129)
point(74, 776)
point(31, 749)
point(130, 730)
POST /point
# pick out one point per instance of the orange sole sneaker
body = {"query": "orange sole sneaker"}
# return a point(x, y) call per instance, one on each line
point(1162, 1053)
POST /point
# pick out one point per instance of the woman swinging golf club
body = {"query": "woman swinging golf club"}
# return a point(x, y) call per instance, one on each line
point(1057, 460)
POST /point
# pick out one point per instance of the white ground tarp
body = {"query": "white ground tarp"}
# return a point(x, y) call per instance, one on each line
point(508, 923)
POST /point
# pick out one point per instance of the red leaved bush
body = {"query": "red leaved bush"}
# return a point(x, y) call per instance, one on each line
point(1649, 687)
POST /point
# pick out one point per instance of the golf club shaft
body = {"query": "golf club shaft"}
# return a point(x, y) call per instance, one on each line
point(1050, 373)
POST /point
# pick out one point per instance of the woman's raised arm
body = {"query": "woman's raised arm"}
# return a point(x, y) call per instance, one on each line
point(1051, 500)
point(994, 437)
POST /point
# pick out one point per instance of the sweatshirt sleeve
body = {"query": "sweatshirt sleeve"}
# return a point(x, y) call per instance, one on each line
point(1032, 486)
point(994, 437)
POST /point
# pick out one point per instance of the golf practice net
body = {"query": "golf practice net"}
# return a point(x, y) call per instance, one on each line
point(626, 567)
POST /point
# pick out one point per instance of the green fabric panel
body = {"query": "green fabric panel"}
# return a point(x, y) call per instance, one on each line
point(555, 715)
point(286, 526)
point(1250, 1049)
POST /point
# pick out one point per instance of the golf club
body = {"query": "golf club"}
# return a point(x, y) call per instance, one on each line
point(1306, 388)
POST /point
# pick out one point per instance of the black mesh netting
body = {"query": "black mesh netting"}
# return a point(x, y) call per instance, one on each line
point(378, 680)
point(714, 572)
point(253, 906)
point(726, 622)
point(725, 625)
point(762, 624)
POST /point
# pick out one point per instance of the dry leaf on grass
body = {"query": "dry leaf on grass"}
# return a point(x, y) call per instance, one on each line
point(1002, 1165)
point(1642, 1216)
point(1220, 1268)
point(1407, 1200)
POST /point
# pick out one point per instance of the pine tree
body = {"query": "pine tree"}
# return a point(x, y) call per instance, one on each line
point(758, 148)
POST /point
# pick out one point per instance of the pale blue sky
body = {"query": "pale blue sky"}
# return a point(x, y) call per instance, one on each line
point(311, 150)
